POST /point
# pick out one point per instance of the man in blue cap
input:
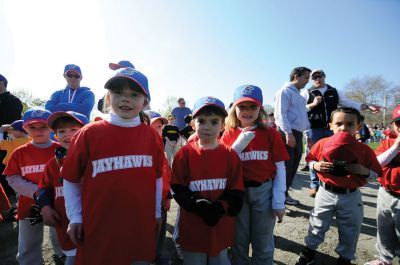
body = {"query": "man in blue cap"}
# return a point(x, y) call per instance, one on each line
point(73, 97)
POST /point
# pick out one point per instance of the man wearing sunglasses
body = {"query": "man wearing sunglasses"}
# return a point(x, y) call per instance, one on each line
point(322, 99)
point(73, 97)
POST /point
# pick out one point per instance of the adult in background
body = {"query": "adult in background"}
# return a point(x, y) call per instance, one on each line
point(291, 119)
point(180, 112)
point(10, 111)
point(322, 99)
point(73, 97)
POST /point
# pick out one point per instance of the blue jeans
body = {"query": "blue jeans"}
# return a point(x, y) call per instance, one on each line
point(316, 135)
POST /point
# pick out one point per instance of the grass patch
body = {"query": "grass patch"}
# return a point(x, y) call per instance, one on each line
point(373, 145)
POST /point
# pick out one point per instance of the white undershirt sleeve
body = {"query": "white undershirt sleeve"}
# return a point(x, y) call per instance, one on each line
point(22, 186)
point(279, 187)
point(159, 186)
point(386, 157)
point(73, 201)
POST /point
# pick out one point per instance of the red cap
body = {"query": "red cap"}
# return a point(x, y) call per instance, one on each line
point(396, 114)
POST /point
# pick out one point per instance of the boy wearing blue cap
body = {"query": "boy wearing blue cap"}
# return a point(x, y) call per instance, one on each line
point(23, 171)
point(50, 196)
point(208, 185)
point(73, 97)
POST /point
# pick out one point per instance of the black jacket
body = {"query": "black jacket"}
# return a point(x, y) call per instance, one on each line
point(319, 116)
point(10, 108)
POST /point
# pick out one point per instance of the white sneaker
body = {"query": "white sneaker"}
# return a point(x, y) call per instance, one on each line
point(290, 201)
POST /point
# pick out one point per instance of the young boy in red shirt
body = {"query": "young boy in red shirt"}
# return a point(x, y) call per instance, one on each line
point(23, 171)
point(207, 183)
point(50, 196)
point(343, 165)
point(388, 206)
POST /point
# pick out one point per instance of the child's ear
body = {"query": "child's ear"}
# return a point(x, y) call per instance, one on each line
point(331, 126)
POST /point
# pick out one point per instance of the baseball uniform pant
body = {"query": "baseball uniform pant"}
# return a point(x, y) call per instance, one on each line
point(349, 211)
point(255, 225)
point(295, 154)
point(198, 258)
point(388, 222)
point(316, 135)
point(30, 239)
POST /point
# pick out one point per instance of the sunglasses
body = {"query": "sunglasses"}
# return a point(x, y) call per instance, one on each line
point(74, 76)
point(316, 77)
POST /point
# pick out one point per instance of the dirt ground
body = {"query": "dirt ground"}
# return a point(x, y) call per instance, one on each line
point(289, 234)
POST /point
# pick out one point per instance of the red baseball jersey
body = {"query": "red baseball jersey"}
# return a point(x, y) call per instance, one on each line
point(52, 179)
point(261, 153)
point(4, 202)
point(117, 167)
point(29, 162)
point(209, 172)
point(391, 172)
point(365, 156)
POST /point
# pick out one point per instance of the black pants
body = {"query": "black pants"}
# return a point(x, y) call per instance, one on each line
point(295, 154)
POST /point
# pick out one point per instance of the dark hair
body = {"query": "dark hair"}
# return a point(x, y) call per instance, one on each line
point(65, 120)
point(210, 110)
point(179, 99)
point(299, 71)
point(348, 111)
point(4, 80)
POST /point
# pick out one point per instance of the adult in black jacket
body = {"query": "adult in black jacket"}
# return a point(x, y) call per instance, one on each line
point(10, 111)
point(322, 99)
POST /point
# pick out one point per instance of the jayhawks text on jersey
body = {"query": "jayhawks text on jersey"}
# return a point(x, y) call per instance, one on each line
point(121, 162)
point(207, 184)
point(32, 169)
point(254, 155)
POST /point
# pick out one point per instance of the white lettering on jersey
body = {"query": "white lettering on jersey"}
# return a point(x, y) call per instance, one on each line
point(32, 169)
point(207, 184)
point(121, 162)
point(254, 155)
point(59, 192)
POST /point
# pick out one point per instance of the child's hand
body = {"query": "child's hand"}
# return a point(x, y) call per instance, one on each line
point(166, 204)
point(323, 166)
point(50, 216)
point(75, 233)
point(357, 169)
point(279, 213)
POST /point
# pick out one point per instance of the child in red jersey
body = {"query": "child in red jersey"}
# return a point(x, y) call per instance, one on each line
point(388, 202)
point(50, 196)
point(207, 184)
point(343, 165)
point(157, 122)
point(112, 179)
point(262, 153)
point(23, 171)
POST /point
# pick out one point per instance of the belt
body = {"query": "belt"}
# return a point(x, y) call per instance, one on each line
point(252, 183)
point(394, 194)
point(335, 189)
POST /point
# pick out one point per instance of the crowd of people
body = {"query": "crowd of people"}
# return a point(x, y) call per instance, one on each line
point(229, 169)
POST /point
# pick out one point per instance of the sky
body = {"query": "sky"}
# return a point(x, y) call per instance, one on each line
point(196, 48)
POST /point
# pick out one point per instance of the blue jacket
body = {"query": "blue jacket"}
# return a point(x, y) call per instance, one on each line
point(82, 101)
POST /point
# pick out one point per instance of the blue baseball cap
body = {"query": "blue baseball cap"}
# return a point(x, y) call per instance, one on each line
point(133, 75)
point(72, 68)
point(121, 64)
point(153, 115)
point(80, 118)
point(17, 125)
point(248, 93)
point(36, 115)
point(4, 80)
point(208, 101)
